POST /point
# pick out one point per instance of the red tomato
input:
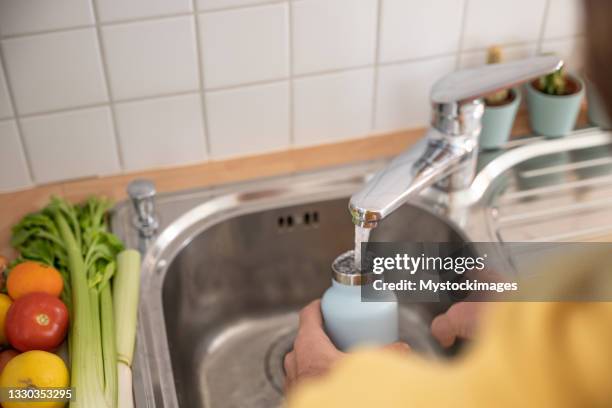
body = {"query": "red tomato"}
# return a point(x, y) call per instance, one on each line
point(36, 321)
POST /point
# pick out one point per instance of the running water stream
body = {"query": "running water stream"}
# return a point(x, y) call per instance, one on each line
point(361, 235)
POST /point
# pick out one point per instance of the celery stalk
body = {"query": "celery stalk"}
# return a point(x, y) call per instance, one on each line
point(96, 345)
point(83, 376)
point(109, 351)
point(76, 240)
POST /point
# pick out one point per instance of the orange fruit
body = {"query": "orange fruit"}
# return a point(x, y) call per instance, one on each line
point(28, 277)
point(5, 304)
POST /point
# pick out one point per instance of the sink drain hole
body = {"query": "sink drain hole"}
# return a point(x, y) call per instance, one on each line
point(275, 358)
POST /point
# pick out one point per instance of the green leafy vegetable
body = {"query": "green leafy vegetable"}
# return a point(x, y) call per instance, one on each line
point(76, 241)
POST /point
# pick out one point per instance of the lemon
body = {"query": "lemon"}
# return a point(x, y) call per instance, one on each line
point(35, 369)
point(5, 303)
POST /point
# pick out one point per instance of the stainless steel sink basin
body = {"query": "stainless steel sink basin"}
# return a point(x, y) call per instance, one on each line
point(226, 279)
point(231, 294)
point(223, 280)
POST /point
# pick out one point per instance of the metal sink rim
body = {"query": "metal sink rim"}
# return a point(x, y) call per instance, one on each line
point(153, 376)
point(154, 382)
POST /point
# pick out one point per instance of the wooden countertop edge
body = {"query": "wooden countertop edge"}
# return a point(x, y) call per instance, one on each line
point(15, 205)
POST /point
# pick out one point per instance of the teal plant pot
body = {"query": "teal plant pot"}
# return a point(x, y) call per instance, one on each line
point(597, 112)
point(497, 122)
point(554, 115)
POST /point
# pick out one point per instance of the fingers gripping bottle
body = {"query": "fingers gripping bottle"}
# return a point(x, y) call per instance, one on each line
point(349, 320)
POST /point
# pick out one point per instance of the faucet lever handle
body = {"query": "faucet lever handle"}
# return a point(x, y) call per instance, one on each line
point(474, 83)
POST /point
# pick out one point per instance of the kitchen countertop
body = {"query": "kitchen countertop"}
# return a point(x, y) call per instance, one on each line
point(14, 205)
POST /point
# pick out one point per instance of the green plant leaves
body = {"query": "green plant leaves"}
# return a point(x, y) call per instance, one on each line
point(37, 238)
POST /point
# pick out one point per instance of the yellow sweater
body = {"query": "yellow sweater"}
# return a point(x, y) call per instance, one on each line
point(528, 355)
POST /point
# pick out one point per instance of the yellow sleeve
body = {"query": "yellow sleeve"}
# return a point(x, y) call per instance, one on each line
point(530, 355)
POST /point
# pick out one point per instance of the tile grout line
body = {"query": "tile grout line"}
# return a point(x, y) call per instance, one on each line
point(109, 91)
point(543, 27)
point(47, 31)
point(505, 46)
point(461, 34)
point(418, 59)
point(201, 82)
point(16, 117)
point(241, 7)
point(379, 6)
point(143, 19)
point(102, 104)
point(291, 75)
point(246, 84)
point(226, 87)
point(330, 72)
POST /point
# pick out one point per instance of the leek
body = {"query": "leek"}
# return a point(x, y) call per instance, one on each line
point(126, 399)
point(126, 288)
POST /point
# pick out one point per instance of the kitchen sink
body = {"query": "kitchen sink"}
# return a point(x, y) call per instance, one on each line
point(227, 278)
point(223, 280)
point(231, 294)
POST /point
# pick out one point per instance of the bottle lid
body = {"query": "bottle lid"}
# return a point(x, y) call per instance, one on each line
point(345, 271)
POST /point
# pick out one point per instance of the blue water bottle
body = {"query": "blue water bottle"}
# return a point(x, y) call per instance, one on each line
point(349, 321)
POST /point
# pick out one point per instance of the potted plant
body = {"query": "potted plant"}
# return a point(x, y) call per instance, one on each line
point(554, 103)
point(500, 110)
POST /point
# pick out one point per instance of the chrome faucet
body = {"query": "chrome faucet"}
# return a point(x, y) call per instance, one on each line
point(142, 194)
point(446, 156)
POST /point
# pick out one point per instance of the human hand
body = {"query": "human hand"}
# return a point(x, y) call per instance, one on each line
point(313, 352)
point(459, 321)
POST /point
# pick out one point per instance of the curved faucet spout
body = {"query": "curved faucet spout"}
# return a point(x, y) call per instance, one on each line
point(448, 152)
point(430, 160)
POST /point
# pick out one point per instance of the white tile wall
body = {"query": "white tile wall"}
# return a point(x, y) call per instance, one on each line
point(331, 107)
point(55, 71)
point(28, 16)
point(245, 45)
point(161, 132)
point(502, 22)
point(93, 87)
point(152, 57)
point(403, 92)
point(6, 110)
point(14, 173)
point(333, 34)
point(564, 19)
point(407, 28)
point(248, 120)
point(117, 10)
point(71, 144)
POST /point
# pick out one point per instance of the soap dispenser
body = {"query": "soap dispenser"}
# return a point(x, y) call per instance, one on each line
point(350, 321)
